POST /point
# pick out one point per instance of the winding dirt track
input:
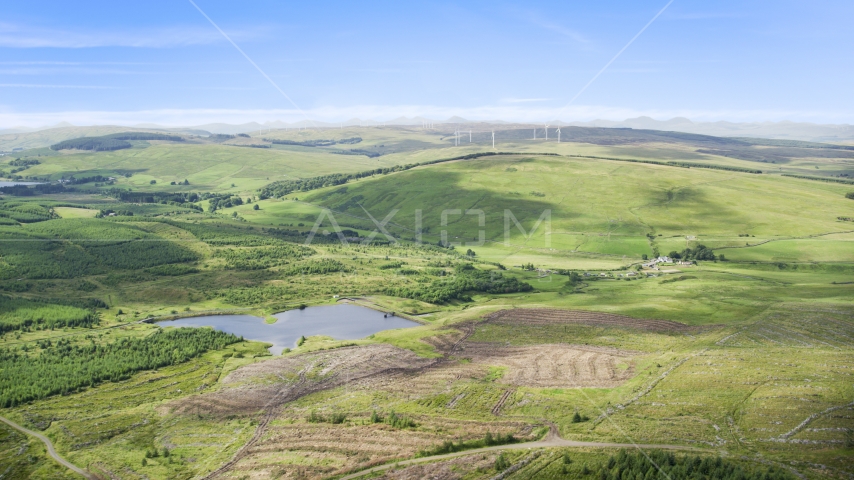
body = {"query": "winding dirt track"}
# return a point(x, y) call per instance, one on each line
point(50, 450)
point(552, 440)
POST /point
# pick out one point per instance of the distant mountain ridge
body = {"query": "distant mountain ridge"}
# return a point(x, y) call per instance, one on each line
point(24, 137)
point(784, 130)
point(54, 134)
point(22, 129)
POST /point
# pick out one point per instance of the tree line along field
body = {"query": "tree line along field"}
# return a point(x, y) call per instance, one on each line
point(755, 369)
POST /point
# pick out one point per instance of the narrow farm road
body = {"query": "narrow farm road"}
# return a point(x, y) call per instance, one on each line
point(552, 440)
point(50, 450)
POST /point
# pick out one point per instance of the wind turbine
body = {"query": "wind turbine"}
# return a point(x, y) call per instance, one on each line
point(535, 134)
point(547, 132)
point(558, 134)
point(469, 136)
point(493, 139)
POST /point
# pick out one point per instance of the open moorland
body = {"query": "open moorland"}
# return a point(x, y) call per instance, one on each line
point(622, 304)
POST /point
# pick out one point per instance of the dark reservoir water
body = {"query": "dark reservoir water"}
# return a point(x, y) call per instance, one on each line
point(341, 322)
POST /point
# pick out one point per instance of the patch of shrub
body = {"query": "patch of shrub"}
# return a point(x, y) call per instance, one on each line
point(657, 464)
point(62, 368)
point(466, 279)
point(449, 446)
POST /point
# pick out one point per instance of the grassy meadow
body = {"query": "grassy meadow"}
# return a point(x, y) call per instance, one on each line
point(760, 375)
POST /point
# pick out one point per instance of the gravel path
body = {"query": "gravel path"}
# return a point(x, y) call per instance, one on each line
point(552, 440)
point(50, 450)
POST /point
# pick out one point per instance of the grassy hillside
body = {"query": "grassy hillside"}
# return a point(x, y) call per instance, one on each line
point(44, 138)
point(597, 206)
point(217, 162)
point(756, 367)
point(208, 167)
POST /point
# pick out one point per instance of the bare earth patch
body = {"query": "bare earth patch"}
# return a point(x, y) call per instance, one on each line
point(555, 365)
point(273, 382)
point(292, 448)
point(447, 470)
point(551, 365)
point(323, 450)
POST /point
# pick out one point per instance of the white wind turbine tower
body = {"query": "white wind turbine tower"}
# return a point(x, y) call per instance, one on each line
point(558, 134)
point(493, 139)
point(469, 136)
point(535, 134)
point(547, 132)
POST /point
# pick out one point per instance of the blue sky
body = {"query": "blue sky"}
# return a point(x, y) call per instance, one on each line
point(161, 61)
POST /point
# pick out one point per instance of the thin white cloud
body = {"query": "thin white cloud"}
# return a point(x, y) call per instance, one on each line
point(36, 85)
point(561, 30)
point(113, 87)
point(701, 15)
point(72, 64)
point(32, 71)
point(633, 70)
point(525, 100)
point(71, 70)
point(18, 36)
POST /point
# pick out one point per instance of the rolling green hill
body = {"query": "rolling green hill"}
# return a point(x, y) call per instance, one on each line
point(214, 163)
point(745, 352)
point(597, 206)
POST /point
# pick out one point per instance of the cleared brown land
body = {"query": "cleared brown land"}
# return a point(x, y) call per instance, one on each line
point(285, 445)
point(549, 316)
point(265, 386)
point(324, 450)
point(274, 382)
point(448, 470)
point(555, 365)
point(547, 365)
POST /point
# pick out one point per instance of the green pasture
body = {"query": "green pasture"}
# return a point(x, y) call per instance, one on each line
point(594, 196)
point(206, 167)
point(801, 250)
point(774, 318)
